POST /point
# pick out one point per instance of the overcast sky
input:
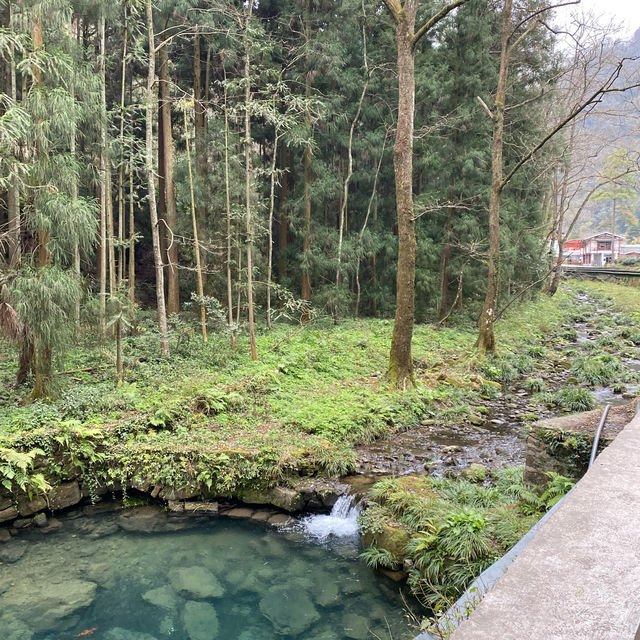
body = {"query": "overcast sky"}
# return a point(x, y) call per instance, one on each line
point(625, 12)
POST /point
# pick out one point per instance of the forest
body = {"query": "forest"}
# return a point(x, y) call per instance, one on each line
point(234, 165)
point(248, 249)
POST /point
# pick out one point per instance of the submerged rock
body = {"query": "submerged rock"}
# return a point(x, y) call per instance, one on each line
point(45, 606)
point(13, 551)
point(13, 629)
point(195, 582)
point(143, 520)
point(355, 626)
point(118, 633)
point(326, 593)
point(164, 597)
point(200, 621)
point(289, 610)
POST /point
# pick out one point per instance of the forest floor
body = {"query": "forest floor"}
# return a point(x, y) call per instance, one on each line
point(209, 415)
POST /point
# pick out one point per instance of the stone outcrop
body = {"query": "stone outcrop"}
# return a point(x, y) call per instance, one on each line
point(563, 445)
point(64, 495)
point(392, 536)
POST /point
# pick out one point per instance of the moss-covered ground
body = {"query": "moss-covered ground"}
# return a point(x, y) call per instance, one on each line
point(208, 415)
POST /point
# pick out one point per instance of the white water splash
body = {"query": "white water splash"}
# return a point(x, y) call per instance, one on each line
point(341, 522)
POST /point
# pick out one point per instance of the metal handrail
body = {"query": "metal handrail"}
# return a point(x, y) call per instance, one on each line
point(596, 438)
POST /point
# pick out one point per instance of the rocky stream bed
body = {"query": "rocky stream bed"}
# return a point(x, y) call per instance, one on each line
point(494, 433)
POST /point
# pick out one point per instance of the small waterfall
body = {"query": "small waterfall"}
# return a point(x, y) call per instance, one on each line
point(341, 522)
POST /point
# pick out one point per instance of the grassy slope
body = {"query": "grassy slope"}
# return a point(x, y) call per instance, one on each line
point(211, 415)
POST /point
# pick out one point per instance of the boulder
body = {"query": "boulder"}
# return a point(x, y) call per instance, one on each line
point(143, 519)
point(179, 494)
point(195, 582)
point(279, 520)
point(5, 536)
point(28, 507)
point(200, 621)
point(238, 512)
point(40, 520)
point(45, 605)
point(474, 473)
point(355, 627)
point(201, 508)
point(390, 536)
point(287, 499)
point(64, 495)
point(10, 513)
point(13, 551)
point(284, 498)
point(163, 597)
point(289, 610)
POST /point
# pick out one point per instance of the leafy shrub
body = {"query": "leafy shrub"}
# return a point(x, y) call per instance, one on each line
point(557, 487)
point(534, 385)
point(575, 399)
point(536, 351)
point(378, 558)
point(569, 334)
point(602, 369)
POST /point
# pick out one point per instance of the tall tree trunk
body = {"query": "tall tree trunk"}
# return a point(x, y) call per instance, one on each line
point(74, 196)
point(110, 232)
point(173, 295)
point(444, 266)
point(272, 190)
point(400, 360)
point(366, 221)
point(227, 194)
point(153, 212)
point(345, 190)
point(200, 137)
point(486, 337)
point(196, 242)
point(132, 235)
point(41, 352)
point(404, 15)
point(247, 174)
point(123, 85)
point(283, 221)
point(306, 241)
point(613, 233)
point(102, 260)
point(13, 191)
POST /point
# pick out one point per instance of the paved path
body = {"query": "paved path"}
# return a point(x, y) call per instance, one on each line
point(579, 579)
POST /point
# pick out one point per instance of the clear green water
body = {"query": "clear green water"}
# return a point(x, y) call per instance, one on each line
point(189, 579)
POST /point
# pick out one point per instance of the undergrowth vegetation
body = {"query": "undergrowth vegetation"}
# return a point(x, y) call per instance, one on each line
point(209, 416)
point(444, 532)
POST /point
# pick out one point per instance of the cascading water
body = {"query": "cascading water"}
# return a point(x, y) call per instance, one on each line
point(341, 522)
